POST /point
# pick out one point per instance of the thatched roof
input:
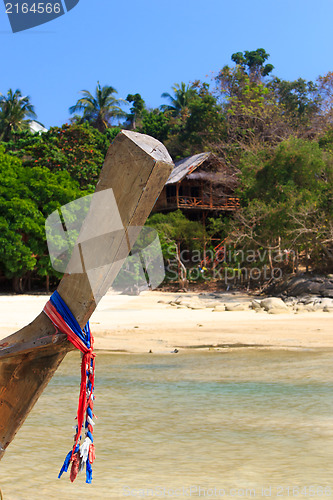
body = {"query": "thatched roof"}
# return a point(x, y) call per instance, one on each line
point(214, 170)
point(186, 166)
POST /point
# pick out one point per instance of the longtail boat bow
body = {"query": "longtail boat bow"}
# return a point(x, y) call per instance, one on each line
point(136, 167)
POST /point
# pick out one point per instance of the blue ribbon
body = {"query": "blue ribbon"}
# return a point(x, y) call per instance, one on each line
point(66, 463)
point(68, 317)
point(85, 336)
point(88, 472)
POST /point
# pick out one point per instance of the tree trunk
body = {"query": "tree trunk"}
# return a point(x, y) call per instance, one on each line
point(17, 284)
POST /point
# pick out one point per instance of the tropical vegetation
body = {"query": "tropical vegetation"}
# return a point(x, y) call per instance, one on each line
point(15, 112)
point(98, 109)
point(277, 134)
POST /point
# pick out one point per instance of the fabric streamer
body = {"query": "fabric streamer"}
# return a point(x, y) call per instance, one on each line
point(82, 454)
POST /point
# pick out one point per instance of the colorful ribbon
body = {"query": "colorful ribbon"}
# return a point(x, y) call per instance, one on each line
point(64, 321)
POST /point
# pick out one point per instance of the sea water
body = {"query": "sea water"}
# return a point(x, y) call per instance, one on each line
point(241, 423)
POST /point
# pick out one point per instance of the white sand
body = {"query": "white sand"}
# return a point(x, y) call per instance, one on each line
point(140, 324)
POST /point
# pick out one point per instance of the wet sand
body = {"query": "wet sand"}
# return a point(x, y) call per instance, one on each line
point(141, 324)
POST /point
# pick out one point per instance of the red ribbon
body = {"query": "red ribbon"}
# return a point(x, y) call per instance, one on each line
point(86, 365)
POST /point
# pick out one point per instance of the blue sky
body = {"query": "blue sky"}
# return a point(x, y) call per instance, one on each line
point(146, 46)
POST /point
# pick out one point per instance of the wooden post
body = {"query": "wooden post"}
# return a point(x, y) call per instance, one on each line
point(136, 167)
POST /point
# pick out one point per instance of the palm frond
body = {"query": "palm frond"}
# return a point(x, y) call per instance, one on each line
point(100, 108)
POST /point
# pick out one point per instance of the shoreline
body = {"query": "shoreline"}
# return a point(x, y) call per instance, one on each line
point(193, 322)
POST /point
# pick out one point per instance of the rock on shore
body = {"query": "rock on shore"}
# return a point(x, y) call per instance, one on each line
point(303, 284)
point(270, 305)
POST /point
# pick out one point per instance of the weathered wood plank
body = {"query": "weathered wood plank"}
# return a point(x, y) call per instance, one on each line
point(136, 167)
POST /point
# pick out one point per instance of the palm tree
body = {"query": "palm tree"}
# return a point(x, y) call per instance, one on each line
point(14, 111)
point(183, 95)
point(101, 108)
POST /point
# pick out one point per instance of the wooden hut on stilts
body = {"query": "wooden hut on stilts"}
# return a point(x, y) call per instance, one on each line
point(199, 185)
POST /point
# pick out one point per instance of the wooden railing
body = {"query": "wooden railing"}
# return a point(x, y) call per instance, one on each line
point(228, 203)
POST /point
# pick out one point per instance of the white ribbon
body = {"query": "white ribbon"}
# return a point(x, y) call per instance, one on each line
point(90, 421)
point(84, 449)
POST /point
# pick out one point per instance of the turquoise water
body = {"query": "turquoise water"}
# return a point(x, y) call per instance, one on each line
point(227, 424)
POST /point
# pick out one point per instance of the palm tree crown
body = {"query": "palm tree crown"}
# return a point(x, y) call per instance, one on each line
point(15, 110)
point(101, 108)
point(183, 95)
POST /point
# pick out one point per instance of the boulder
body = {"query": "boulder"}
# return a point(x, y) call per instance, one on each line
point(273, 303)
point(308, 299)
point(210, 305)
point(305, 308)
point(303, 284)
point(290, 301)
point(236, 307)
point(219, 308)
point(326, 302)
point(277, 310)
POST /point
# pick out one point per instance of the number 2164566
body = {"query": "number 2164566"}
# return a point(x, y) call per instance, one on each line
point(35, 8)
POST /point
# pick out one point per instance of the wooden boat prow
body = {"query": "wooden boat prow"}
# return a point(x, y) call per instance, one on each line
point(136, 167)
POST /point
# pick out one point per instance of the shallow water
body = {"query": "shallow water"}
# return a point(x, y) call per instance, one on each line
point(227, 424)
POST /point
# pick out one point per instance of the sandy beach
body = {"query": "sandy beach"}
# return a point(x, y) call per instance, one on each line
point(150, 323)
point(256, 413)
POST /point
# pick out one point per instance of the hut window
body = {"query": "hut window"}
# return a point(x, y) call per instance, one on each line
point(195, 191)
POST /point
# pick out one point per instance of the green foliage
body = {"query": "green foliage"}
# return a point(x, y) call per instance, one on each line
point(326, 140)
point(136, 110)
point(180, 101)
point(77, 149)
point(295, 170)
point(156, 124)
point(109, 135)
point(14, 113)
point(218, 227)
point(27, 197)
point(99, 109)
point(297, 166)
point(253, 62)
point(249, 69)
point(174, 228)
point(196, 130)
point(253, 114)
point(298, 98)
point(287, 197)
point(278, 134)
